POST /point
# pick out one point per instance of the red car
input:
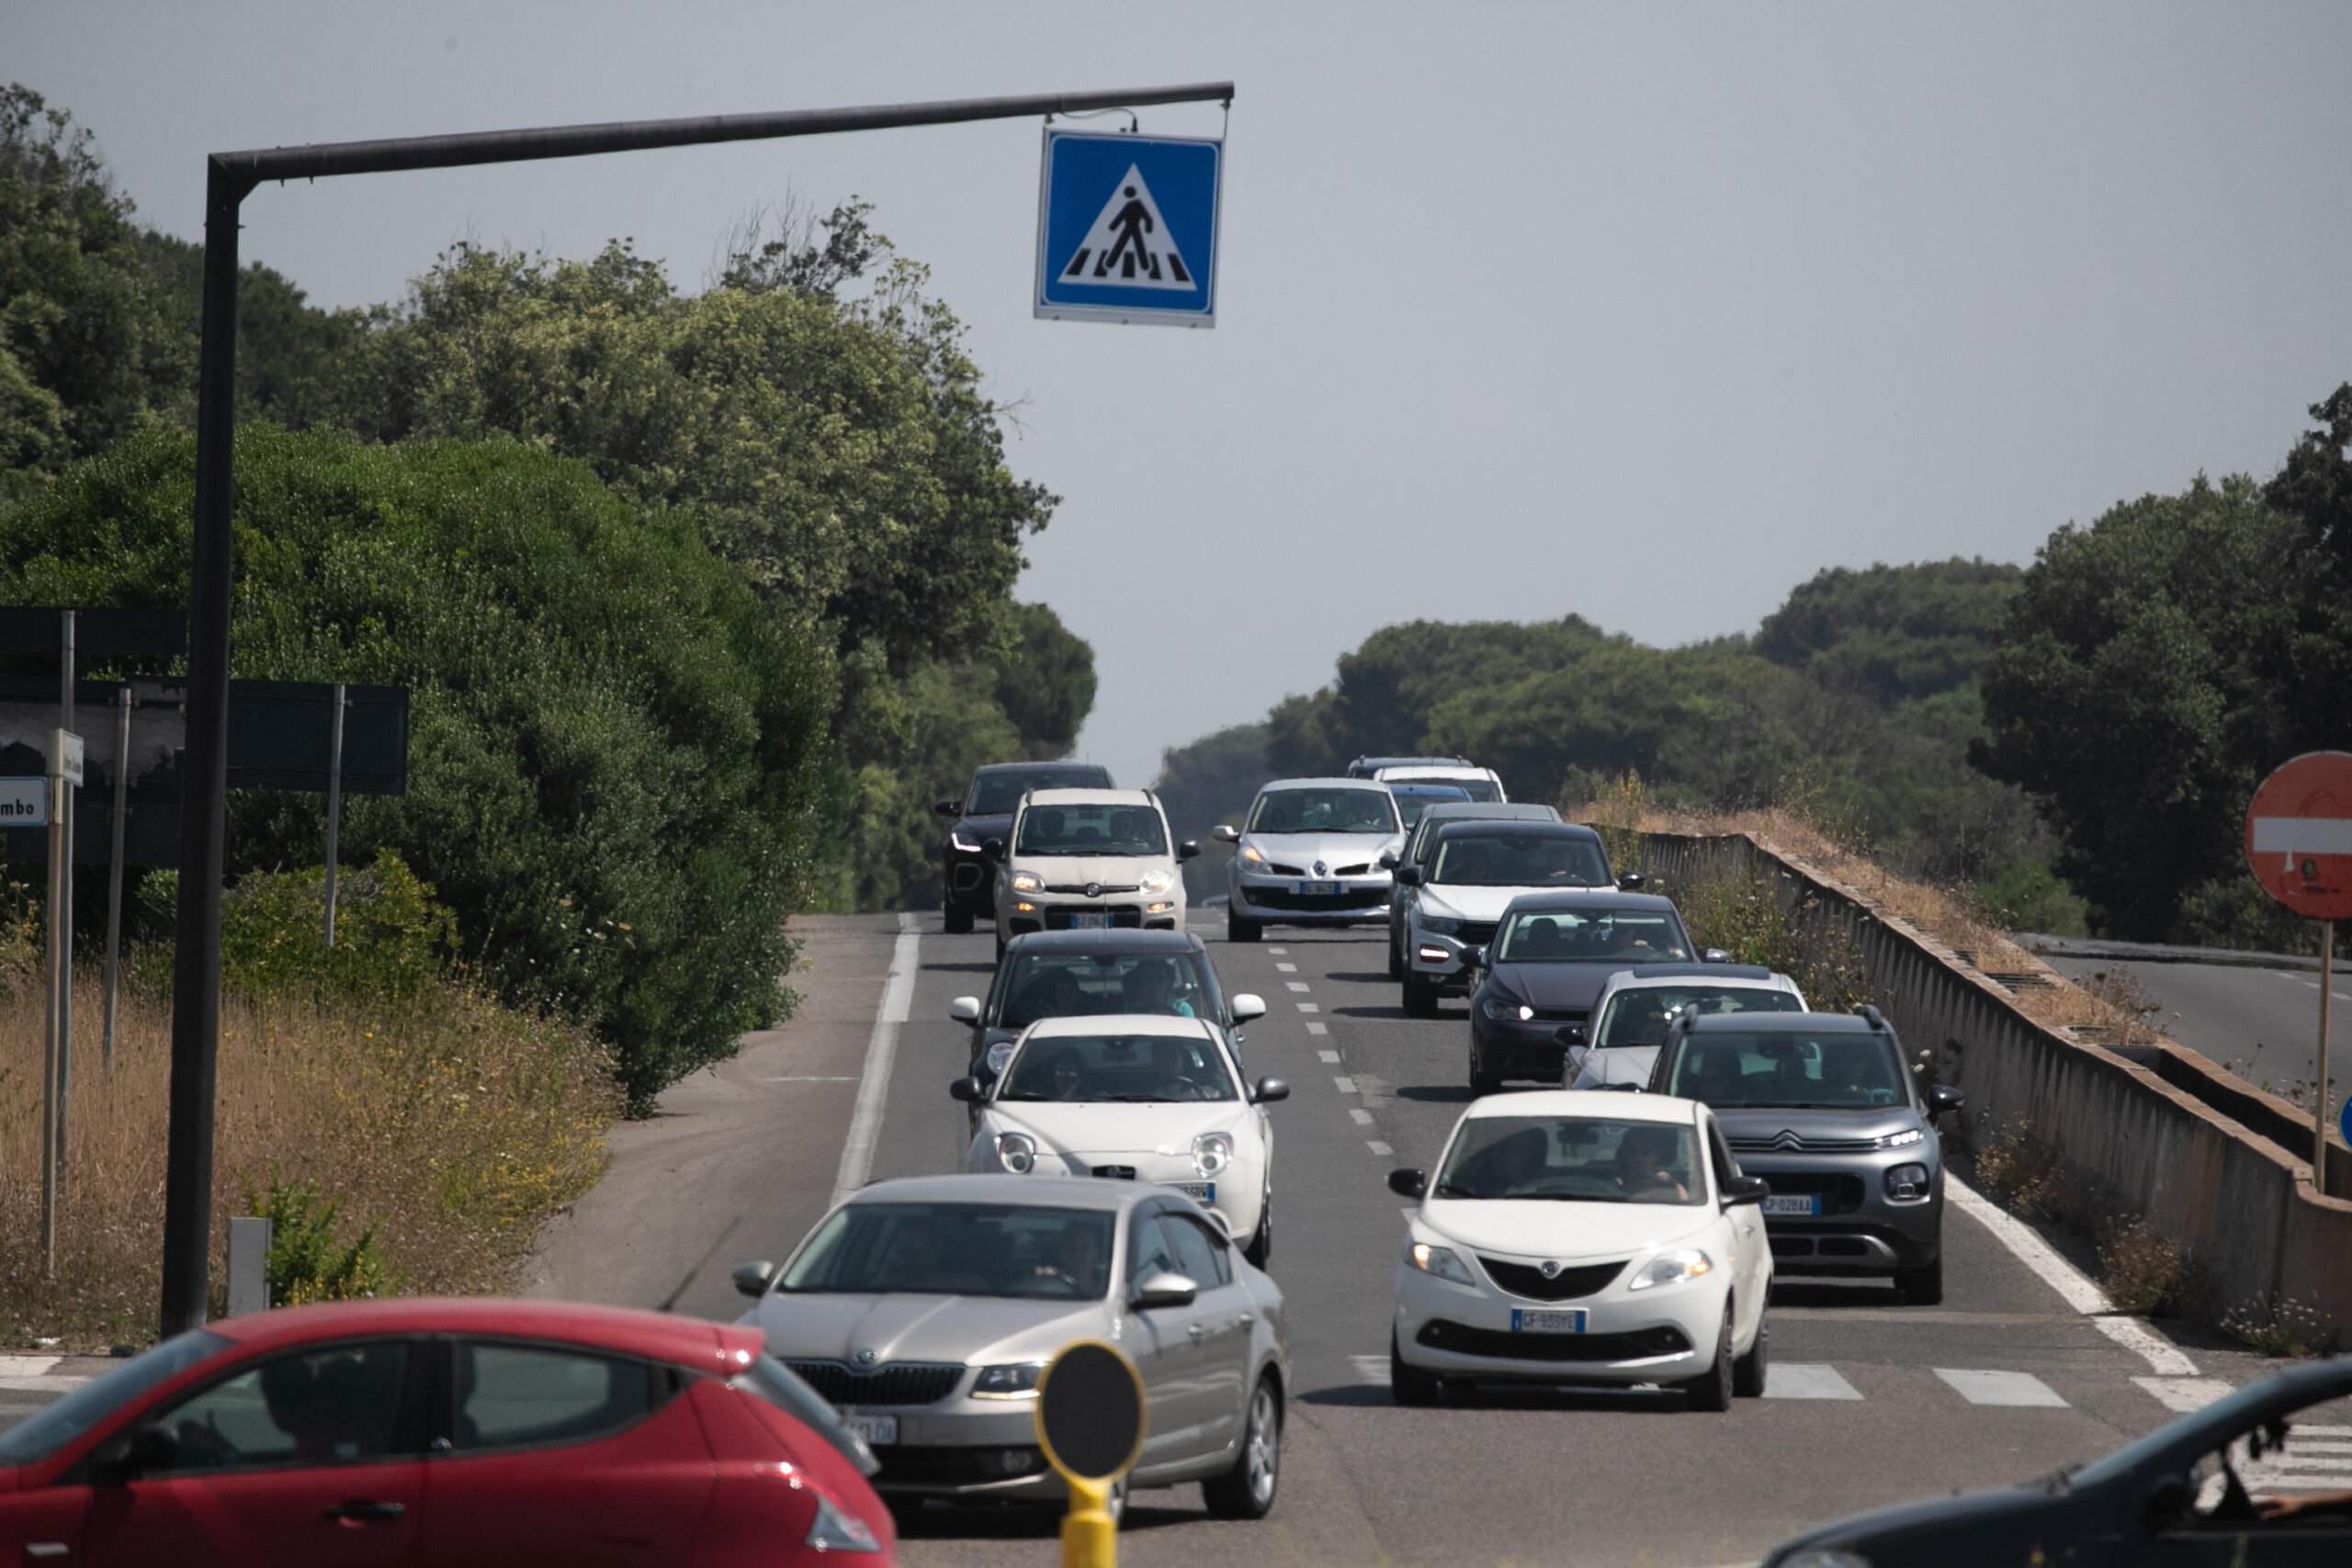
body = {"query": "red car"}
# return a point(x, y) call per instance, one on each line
point(448, 1432)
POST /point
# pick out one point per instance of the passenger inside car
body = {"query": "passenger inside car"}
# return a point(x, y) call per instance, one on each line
point(1150, 986)
point(1649, 1165)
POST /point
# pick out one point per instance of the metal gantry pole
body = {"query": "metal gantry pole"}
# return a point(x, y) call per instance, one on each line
point(2319, 1111)
point(122, 701)
point(55, 784)
point(334, 807)
point(62, 910)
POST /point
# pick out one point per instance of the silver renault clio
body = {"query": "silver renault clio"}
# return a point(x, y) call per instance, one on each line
point(925, 1309)
point(1309, 853)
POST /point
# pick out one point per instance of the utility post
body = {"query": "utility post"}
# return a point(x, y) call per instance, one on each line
point(123, 702)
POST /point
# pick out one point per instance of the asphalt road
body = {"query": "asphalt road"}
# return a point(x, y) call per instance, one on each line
point(1870, 1400)
point(2260, 1023)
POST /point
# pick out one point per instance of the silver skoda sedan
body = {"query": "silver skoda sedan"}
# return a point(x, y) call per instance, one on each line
point(925, 1308)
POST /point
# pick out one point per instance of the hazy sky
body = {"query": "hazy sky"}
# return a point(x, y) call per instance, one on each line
point(1643, 311)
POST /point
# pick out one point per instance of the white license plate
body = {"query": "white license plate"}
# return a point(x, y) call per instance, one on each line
point(1314, 889)
point(1528, 1320)
point(1088, 920)
point(1794, 1203)
point(1198, 1191)
point(872, 1428)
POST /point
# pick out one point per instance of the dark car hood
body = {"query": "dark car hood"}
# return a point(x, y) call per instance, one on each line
point(1567, 986)
point(980, 830)
point(1867, 1121)
point(1961, 1532)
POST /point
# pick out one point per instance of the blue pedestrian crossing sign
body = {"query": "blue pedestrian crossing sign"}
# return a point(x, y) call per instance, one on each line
point(1127, 228)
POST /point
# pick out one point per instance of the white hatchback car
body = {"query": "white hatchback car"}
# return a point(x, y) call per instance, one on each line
point(1482, 785)
point(1082, 859)
point(1137, 1097)
point(1630, 1016)
point(1575, 1238)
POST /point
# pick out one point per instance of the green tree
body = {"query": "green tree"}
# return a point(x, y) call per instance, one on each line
point(1893, 633)
point(1045, 683)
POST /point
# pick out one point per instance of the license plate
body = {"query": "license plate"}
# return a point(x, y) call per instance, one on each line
point(1314, 889)
point(1198, 1191)
point(872, 1428)
point(1528, 1320)
point(1806, 1204)
point(1088, 920)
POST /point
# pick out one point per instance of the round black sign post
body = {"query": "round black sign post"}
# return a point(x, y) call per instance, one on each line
point(1091, 1424)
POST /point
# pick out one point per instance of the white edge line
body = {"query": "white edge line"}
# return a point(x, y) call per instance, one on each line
point(2076, 1288)
point(881, 1051)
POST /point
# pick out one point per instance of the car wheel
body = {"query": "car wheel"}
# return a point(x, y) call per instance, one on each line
point(1261, 1245)
point(1923, 1286)
point(1409, 1385)
point(1420, 998)
point(1237, 929)
point(1481, 1083)
point(958, 920)
point(1711, 1390)
point(1247, 1491)
point(1395, 956)
point(1747, 1373)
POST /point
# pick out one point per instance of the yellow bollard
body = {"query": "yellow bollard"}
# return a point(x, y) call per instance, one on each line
point(1089, 1535)
point(1091, 1417)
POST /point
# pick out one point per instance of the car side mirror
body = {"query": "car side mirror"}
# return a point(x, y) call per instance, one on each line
point(993, 848)
point(1189, 849)
point(1165, 1290)
point(1269, 1091)
point(1746, 1190)
point(965, 1010)
point(1942, 1097)
point(1632, 881)
point(752, 1278)
point(966, 1089)
point(1408, 1181)
point(142, 1451)
point(1714, 956)
point(1223, 834)
point(1411, 875)
point(1248, 1005)
point(949, 808)
point(1571, 1035)
point(1473, 958)
point(1574, 1063)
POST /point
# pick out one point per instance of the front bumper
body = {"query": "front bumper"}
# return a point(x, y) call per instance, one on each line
point(1280, 900)
point(1237, 1196)
point(1648, 1336)
point(1434, 958)
point(1856, 1229)
point(1022, 912)
point(1521, 1048)
point(977, 1449)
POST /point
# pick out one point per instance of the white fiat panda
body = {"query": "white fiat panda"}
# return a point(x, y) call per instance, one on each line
point(1090, 858)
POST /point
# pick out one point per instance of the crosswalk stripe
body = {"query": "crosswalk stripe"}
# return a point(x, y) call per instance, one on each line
point(2184, 1394)
point(1806, 1380)
point(26, 1366)
point(56, 1383)
point(1371, 1368)
point(2017, 1388)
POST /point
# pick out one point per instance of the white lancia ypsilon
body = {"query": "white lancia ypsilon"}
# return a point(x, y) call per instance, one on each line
point(1144, 1097)
point(1583, 1237)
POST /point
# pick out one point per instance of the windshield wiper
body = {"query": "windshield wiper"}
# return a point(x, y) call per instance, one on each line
point(1024, 1095)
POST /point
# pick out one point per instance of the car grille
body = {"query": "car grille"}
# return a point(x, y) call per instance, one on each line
point(1475, 934)
point(1790, 1143)
point(1276, 869)
point(1841, 1191)
point(1364, 869)
point(1307, 903)
point(893, 1383)
point(1439, 1334)
point(1115, 1172)
point(1081, 889)
point(1065, 919)
point(1526, 1280)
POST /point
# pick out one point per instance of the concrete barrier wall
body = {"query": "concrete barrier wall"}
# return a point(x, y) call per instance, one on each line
point(2242, 1204)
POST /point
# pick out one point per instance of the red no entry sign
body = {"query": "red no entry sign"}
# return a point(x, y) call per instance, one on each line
point(2299, 835)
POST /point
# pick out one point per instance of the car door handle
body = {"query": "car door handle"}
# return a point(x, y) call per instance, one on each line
point(1197, 1329)
point(1248, 1318)
point(361, 1509)
point(37, 1549)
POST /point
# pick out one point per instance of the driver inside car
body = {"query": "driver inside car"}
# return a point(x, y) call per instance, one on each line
point(1150, 986)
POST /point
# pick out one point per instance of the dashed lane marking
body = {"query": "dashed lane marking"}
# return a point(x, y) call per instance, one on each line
point(1286, 968)
point(1371, 1368)
point(1319, 1029)
point(1308, 1007)
point(1298, 985)
point(1806, 1380)
point(1327, 1057)
point(2184, 1394)
point(1347, 1085)
point(1279, 951)
point(1377, 1147)
point(2019, 1389)
point(1363, 1117)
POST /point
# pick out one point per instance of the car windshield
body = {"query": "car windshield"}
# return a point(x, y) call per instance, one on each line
point(46, 1431)
point(1088, 984)
point(1519, 860)
point(1134, 1068)
point(957, 1249)
point(1576, 1159)
point(1091, 831)
point(1413, 799)
point(1789, 1070)
point(1477, 789)
point(1638, 1016)
point(999, 794)
point(1596, 935)
point(1324, 811)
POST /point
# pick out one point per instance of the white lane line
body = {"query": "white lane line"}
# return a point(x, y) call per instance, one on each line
point(2185, 1395)
point(1298, 985)
point(1308, 1007)
point(1369, 1369)
point(1406, 1213)
point(1806, 1380)
point(1347, 1085)
point(2020, 1389)
point(1286, 968)
point(881, 1051)
point(1327, 1057)
point(1377, 1147)
point(1319, 1029)
point(1279, 951)
point(2073, 1285)
point(807, 1077)
point(26, 1366)
point(1363, 1117)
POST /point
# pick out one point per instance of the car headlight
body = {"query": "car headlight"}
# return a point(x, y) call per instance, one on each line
point(1496, 1008)
point(1018, 1380)
point(1672, 1269)
point(1156, 882)
point(1824, 1557)
point(1439, 1261)
point(996, 1056)
point(835, 1529)
point(1017, 1152)
point(1251, 859)
point(1212, 1152)
point(1027, 881)
point(958, 839)
point(1907, 1183)
point(1903, 1140)
point(1441, 924)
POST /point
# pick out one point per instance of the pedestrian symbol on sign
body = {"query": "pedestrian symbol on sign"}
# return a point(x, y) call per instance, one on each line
point(1129, 244)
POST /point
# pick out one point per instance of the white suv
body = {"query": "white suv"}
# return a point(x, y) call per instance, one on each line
point(1090, 858)
point(1482, 785)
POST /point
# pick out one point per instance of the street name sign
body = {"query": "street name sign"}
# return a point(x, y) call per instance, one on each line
point(1127, 228)
point(2299, 835)
point(66, 756)
point(24, 802)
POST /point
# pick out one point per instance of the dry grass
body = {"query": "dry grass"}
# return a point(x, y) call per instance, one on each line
point(453, 1125)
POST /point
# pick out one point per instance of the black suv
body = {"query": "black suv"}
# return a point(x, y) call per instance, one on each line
point(966, 866)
